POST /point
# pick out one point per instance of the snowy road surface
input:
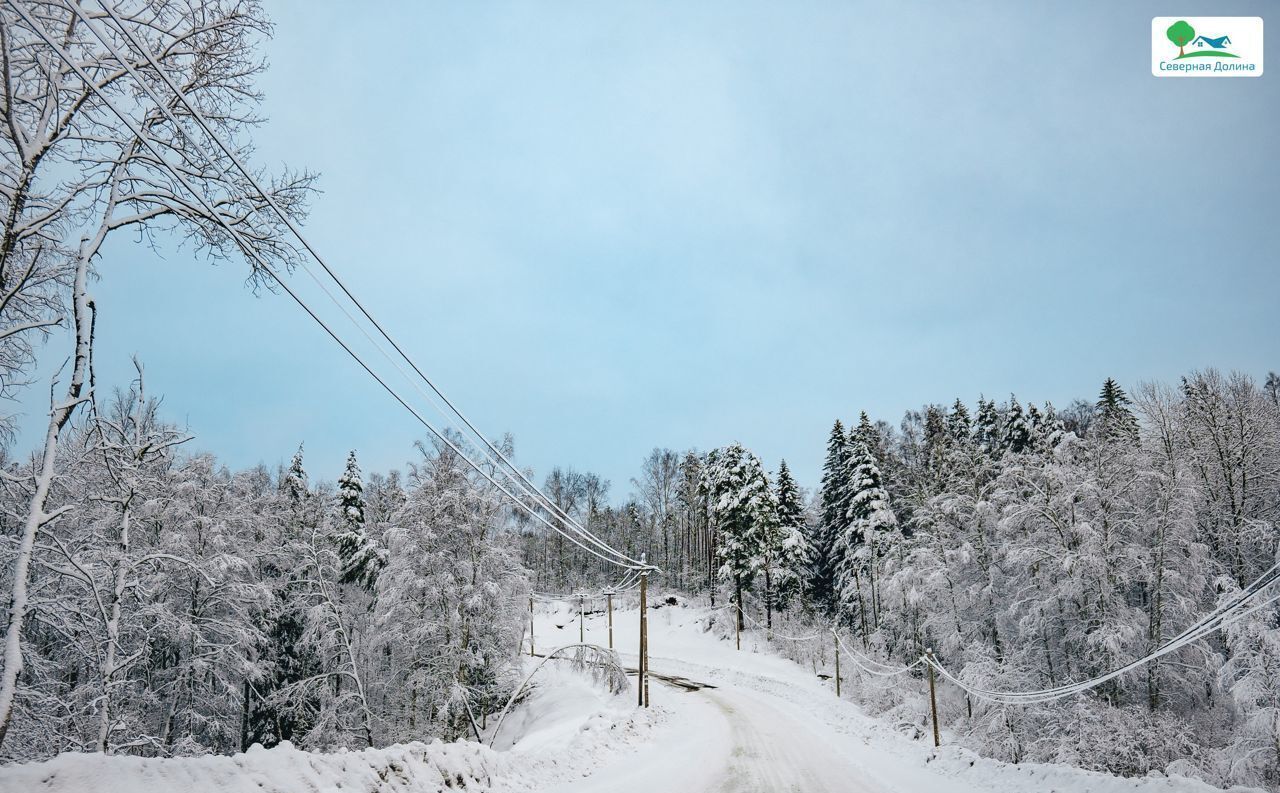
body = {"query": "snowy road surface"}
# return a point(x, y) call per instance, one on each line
point(765, 726)
point(770, 724)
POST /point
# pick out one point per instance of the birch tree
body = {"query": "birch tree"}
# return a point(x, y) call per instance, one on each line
point(70, 109)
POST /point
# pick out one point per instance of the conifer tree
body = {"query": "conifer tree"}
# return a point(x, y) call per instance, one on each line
point(937, 439)
point(1054, 429)
point(986, 429)
point(1115, 418)
point(868, 520)
point(958, 422)
point(294, 483)
point(834, 504)
point(360, 556)
point(787, 550)
point(742, 503)
point(1016, 437)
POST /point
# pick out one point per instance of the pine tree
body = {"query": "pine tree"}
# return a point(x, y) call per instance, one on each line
point(361, 557)
point(1113, 414)
point(834, 503)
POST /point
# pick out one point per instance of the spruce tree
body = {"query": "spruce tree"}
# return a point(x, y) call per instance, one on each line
point(294, 482)
point(868, 519)
point(789, 549)
point(743, 506)
point(1115, 419)
point(986, 429)
point(834, 503)
point(361, 557)
point(1016, 437)
point(958, 422)
point(283, 653)
point(937, 439)
point(1052, 429)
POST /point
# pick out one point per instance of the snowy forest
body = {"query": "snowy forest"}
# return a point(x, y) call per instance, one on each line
point(158, 602)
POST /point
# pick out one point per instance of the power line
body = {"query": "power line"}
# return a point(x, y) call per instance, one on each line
point(1214, 621)
point(493, 451)
point(261, 262)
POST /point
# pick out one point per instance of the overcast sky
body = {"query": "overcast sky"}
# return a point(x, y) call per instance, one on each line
point(606, 227)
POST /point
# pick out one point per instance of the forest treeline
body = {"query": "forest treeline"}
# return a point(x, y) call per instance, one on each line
point(1028, 547)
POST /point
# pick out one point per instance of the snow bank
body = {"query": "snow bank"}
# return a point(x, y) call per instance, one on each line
point(564, 729)
point(416, 767)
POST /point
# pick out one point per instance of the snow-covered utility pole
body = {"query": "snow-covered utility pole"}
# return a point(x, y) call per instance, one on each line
point(642, 677)
point(582, 598)
point(608, 593)
point(837, 645)
point(933, 696)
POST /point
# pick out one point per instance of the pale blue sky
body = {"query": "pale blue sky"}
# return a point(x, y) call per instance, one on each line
point(611, 226)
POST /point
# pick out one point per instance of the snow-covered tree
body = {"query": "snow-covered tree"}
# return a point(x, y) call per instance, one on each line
point(1114, 415)
point(360, 556)
point(742, 504)
point(834, 504)
point(785, 549)
point(870, 522)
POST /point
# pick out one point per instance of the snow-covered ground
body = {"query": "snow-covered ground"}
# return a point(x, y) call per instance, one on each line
point(768, 724)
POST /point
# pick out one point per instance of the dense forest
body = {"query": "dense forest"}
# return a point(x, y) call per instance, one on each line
point(179, 607)
point(1028, 548)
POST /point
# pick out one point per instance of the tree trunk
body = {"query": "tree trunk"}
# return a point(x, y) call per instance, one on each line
point(37, 518)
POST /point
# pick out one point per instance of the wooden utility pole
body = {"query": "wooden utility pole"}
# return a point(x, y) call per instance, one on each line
point(582, 635)
point(837, 643)
point(643, 679)
point(531, 625)
point(608, 593)
point(737, 623)
point(933, 696)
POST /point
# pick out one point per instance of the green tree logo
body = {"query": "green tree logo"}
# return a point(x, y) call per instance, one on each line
point(1181, 34)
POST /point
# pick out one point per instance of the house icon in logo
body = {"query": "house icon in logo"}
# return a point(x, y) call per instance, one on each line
point(1181, 34)
point(1219, 43)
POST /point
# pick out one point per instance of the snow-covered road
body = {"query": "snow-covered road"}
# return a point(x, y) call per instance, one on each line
point(769, 724)
point(773, 751)
point(763, 726)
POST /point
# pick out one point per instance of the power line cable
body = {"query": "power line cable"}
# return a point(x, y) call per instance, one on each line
point(499, 457)
point(261, 262)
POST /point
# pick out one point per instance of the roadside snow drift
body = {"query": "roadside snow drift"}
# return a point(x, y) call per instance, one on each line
point(416, 767)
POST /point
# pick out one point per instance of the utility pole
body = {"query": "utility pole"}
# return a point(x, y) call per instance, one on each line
point(582, 635)
point(643, 679)
point(837, 638)
point(933, 696)
point(737, 622)
point(608, 593)
point(531, 625)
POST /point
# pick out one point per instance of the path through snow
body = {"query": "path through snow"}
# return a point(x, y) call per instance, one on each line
point(771, 725)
